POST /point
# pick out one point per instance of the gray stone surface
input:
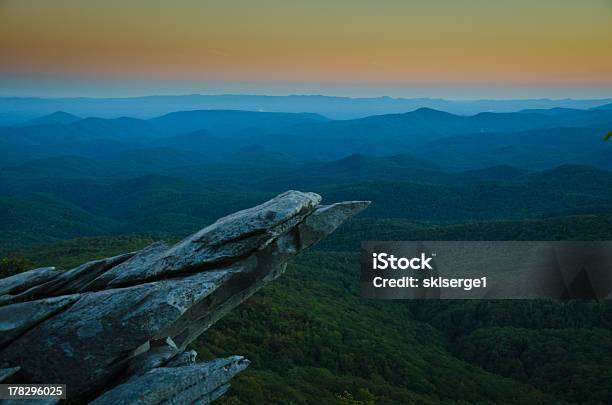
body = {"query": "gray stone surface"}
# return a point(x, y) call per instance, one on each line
point(120, 326)
point(198, 383)
point(6, 373)
point(16, 319)
point(22, 281)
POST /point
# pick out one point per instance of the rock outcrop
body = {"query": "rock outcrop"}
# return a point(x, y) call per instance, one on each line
point(116, 330)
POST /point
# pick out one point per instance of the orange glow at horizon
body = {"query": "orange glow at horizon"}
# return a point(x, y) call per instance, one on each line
point(457, 42)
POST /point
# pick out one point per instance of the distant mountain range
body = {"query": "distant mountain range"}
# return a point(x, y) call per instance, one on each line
point(58, 117)
point(15, 110)
point(63, 176)
point(534, 138)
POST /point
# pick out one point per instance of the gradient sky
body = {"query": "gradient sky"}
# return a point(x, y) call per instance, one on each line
point(443, 48)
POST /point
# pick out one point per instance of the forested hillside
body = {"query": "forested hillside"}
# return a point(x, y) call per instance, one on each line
point(312, 339)
point(73, 189)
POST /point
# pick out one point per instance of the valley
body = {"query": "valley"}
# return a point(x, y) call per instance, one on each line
point(74, 189)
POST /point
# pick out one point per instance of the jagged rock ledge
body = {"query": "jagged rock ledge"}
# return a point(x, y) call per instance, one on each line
point(116, 330)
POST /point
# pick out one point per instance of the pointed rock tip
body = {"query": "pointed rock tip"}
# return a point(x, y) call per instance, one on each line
point(325, 219)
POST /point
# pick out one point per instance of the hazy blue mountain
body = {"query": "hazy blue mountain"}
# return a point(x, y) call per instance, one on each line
point(535, 139)
point(438, 135)
point(156, 159)
point(89, 137)
point(56, 133)
point(604, 107)
point(12, 154)
point(58, 117)
point(230, 122)
point(551, 111)
point(50, 133)
point(426, 123)
point(595, 117)
point(123, 128)
point(16, 109)
point(258, 154)
point(534, 149)
point(200, 141)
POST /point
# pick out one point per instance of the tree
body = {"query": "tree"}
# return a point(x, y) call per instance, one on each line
point(13, 265)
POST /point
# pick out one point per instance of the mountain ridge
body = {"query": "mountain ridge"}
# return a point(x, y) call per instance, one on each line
point(20, 109)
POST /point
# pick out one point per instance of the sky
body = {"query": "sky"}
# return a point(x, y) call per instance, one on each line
point(461, 49)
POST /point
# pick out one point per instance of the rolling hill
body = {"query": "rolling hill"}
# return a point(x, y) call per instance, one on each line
point(178, 200)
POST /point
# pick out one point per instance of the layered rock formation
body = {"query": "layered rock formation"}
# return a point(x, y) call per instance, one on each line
point(116, 330)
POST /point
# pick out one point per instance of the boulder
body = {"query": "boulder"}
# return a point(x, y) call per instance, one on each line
point(116, 330)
